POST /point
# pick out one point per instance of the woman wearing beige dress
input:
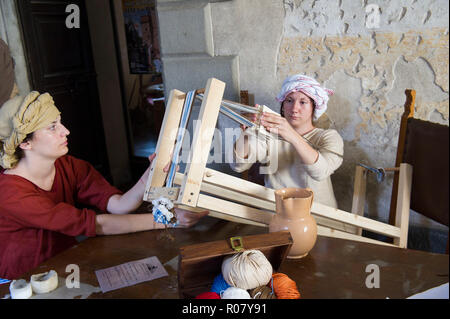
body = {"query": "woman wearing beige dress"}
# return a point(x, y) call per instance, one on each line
point(304, 156)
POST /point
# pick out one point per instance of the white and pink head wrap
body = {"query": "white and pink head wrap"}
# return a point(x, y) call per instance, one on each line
point(309, 87)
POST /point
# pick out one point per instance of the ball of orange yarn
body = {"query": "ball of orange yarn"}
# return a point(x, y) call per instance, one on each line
point(284, 287)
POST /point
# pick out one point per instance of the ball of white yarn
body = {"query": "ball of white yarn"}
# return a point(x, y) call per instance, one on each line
point(247, 270)
point(234, 293)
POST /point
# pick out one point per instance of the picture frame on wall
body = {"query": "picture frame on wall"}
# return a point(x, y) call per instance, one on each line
point(141, 30)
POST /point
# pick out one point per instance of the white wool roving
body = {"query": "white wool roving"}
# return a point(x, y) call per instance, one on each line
point(247, 270)
point(234, 293)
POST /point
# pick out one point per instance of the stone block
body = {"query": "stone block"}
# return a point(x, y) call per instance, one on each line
point(191, 72)
point(186, 29)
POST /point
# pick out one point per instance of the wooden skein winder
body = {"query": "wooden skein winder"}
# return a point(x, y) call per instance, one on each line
point(227, 197)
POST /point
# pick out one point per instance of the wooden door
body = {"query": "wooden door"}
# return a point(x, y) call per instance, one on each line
point(61, 63)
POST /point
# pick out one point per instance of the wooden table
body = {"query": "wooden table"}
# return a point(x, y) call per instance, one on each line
point(334, 268)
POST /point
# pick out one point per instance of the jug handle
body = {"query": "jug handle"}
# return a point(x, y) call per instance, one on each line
point(312, 199)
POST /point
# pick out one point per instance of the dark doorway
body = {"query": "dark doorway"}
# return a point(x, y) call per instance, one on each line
point(61, 63)
point(145, 102)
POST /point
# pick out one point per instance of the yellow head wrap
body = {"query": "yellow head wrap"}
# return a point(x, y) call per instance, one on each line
point(21, 116)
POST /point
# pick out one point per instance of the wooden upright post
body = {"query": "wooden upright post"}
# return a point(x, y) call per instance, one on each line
point(166, 141)
point(403, 204)
point(359, 194)
point(201, 142)
point(409, 112)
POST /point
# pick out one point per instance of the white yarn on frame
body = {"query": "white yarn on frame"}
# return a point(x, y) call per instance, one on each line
point(247, 270)
point(234, 293)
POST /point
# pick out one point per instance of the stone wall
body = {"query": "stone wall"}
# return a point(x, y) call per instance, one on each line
point(367, 58)
point(369, 69)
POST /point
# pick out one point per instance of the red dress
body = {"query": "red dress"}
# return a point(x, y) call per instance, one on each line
point(36, 224)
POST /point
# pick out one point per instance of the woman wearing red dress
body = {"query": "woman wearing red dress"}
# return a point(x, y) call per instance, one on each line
point(42, 188)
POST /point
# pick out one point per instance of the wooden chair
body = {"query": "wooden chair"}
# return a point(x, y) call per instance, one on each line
point(424, 146)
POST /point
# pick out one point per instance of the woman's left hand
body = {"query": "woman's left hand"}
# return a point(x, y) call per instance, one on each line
point(186, 218)
point(278, 125)
point(166, 168)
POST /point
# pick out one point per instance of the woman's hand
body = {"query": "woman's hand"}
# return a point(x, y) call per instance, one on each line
point(107, 224)
point(166, 168)
point(252, 117)
point(144, 176)
point(279, 125)
point(186, 218)
point(133, 198)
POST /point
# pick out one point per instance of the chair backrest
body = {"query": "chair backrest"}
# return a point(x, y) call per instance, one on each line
point(424, 145)
point(426, 149)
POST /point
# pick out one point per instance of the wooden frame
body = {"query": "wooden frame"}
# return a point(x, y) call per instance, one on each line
point(399, 232)
point(408, 112)
point(235, 199)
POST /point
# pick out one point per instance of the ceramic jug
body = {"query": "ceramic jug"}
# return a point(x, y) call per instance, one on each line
point(293, 213)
